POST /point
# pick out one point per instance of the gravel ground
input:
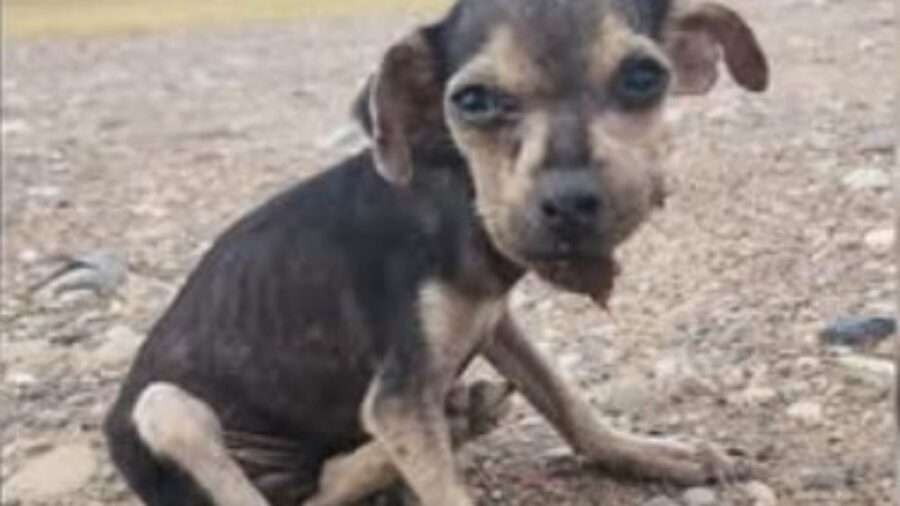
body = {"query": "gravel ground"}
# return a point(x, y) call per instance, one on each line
point(781, 220)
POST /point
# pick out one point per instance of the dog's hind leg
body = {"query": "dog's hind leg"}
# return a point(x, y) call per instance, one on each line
point(181, 429)
point(516, 359)
point(472, 411)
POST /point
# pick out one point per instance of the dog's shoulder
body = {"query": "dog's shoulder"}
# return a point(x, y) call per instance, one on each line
point(345, 227)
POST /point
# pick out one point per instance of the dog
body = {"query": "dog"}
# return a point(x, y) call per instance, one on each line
point(313, 356)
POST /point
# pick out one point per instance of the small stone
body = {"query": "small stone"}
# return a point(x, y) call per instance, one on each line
point(881, 240)
point(875, 371)
point(44, 192)
point(806, 364)
point(807, 412)
point(867, 45)
point(20, 379)
point(700, 496)
point(857, 331)
point(68, 338)
point(74, 298)
point(867, 179)
point(760, 493)
point(570, 361)
point(54, 474)
point(757, 396)
point(99, 271)
point(825, 478)
point(14, 127)
point(29, 256)
point(497, 494)
point(628, 395)
point(667, 368)
point(878, 140)
point(557, 452)
point(692, 384)
point(660, 500)
point(120, 345)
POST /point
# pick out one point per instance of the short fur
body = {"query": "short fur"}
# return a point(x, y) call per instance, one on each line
point(327, 328)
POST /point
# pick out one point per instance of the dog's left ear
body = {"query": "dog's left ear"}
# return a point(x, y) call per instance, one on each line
point(401, 100)
point(699, 36)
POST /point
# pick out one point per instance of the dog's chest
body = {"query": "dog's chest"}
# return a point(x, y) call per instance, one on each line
point(455, 323)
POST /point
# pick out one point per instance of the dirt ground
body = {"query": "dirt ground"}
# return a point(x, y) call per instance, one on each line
point(149, 145)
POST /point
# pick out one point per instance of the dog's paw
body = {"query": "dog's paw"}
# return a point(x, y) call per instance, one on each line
point(476, 409)
point(671, 461)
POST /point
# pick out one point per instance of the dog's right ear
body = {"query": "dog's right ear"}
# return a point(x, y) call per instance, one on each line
point(700, 35)
point(397, 103)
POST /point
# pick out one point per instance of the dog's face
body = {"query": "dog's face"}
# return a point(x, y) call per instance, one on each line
point(556, 106)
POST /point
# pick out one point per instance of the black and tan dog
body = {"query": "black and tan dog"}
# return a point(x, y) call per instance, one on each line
point(313, 356)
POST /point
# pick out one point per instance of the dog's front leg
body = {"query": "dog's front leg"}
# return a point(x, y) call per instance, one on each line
point(410, 425)
point(404, 409)
point(472, 410)
point(518, 360)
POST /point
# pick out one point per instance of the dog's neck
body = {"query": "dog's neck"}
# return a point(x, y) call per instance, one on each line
point(441, 175)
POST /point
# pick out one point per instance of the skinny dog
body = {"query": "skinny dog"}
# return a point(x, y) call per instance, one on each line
point(313, 357)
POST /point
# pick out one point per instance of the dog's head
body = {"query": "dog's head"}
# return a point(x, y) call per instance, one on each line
point(556, 106)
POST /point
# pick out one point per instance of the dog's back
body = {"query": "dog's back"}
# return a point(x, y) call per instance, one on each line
point(301, 292)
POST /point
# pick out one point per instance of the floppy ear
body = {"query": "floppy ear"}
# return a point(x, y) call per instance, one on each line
point(698, 37)
point(360, 108)
point(401, 100)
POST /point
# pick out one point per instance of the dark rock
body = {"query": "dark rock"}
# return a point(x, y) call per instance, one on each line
point(858, 331)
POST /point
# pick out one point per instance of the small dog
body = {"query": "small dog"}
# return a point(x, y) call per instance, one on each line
point(313, 356)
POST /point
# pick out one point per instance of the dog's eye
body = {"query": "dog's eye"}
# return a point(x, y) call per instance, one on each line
point(481, 105)
point(641, 83)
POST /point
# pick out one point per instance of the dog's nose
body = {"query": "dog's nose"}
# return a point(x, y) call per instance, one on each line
point(571, 213)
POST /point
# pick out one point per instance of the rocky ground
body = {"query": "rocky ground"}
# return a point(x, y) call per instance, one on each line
point(132, 153)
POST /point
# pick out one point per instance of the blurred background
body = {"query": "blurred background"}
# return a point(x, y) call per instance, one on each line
point(756, 311)
point(33, 18)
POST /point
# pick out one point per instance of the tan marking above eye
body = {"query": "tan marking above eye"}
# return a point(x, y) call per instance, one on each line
point(615, 41)
point(503, 63)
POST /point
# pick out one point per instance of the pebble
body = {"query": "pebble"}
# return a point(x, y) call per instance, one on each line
point(700, 496)
point(825, 478)
point(878, 140)
point(867, 179)
point(44, 192)
point(15, 127)
point(756, 396)
point(807, 412)
point(628, 395)
point(570, 361)
point(555, 453)
point(20, 379)
point(668, 368)
point(660, 500)
point(99, 271)
point(120, 345)
point(77, 297)
point(54, 474)
point(760, 493)
point(29, 256)
point(69, 338)
point(857, 331)
point(881, 240)
point(807, 364)
point(875, 371)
